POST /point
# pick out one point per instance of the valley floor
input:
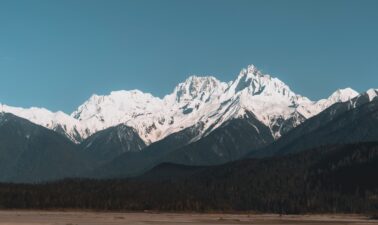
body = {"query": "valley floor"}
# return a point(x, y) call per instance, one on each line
point(83, 218)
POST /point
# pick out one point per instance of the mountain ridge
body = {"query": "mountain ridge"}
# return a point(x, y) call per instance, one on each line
point(344, 122)
point(197, 99)
point(33, 153)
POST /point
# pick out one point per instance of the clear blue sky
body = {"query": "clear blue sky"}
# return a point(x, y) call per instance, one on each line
point(55, 54)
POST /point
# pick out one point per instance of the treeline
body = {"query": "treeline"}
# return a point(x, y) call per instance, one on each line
point(328, 179)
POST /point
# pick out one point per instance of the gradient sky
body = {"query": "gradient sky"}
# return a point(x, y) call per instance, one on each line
point(55, 54)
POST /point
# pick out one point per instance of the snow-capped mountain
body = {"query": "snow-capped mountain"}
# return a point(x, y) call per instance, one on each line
point(341, 95)
point(152, 117)
point(57, 121)
point(139, 110)
point(204, 100)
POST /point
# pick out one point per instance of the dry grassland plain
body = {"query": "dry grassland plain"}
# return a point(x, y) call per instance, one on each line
point(105, 218)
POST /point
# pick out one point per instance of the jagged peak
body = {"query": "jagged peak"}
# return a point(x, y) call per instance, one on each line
point(342, 95)
point(196, 87)
point(202, 78)
point(198, 82)
point(251, 70)
point(254, 82)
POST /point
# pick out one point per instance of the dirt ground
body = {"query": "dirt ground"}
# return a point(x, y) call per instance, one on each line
point(95, 218)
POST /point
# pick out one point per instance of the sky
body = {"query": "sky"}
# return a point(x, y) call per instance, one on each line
point(56, 54)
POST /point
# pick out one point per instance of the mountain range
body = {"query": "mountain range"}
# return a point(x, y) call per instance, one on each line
point(196, 100)
point(202, 122)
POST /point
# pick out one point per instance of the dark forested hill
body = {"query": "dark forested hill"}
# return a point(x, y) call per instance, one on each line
point(32, 153)
point(227, 143)
point(112, 142)
point(135, 163)
point(337, 178)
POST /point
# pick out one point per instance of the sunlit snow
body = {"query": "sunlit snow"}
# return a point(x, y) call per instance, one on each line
point(197, 100)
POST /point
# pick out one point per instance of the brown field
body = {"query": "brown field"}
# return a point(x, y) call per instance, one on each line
point(96, 218)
